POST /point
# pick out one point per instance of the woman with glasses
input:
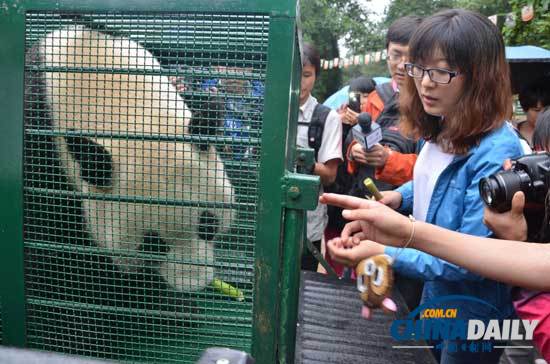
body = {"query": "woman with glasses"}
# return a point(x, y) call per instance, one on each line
point(455, 101)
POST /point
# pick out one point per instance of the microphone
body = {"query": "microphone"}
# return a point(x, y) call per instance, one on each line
point(366, 132)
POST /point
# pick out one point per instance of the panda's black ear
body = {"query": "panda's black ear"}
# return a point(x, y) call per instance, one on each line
point(96, 163)
point(208, 112)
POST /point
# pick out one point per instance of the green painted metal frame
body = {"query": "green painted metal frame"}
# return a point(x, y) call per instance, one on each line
point(270, 341)
point(294, 223)
point(275, 252)
point(274, 8)
point(12, 287)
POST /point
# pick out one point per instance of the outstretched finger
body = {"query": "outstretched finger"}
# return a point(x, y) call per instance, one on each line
point(361, 214)
point(344, 201)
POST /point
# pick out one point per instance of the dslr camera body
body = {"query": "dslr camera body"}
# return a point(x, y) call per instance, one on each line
point(529, 174)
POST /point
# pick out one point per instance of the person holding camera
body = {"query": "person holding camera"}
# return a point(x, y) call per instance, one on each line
point(530, 171)
point(359, 90)
point(512, 220)
point(456, 99)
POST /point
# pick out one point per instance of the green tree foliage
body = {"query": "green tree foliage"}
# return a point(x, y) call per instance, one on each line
point(372, 69)
point(400, 8)
point(535, 32)
point(324, 22)
point(486, 7)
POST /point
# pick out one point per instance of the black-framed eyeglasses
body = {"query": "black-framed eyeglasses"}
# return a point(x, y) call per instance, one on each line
point(437, 75)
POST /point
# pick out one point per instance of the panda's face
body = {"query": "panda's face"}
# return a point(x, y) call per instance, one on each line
point(135, 187)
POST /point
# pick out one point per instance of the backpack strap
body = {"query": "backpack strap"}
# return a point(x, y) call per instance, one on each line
point(385, 91)
point(390, 114)
point(317, 126)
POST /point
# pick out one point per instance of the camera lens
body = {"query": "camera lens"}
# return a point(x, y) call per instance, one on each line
point(487, 188)
point(497, 190)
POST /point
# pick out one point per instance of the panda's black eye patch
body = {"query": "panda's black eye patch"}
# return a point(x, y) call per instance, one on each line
point(96, 163)
point(208, 226)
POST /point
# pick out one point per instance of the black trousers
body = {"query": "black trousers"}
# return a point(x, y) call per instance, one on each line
point(308, 260)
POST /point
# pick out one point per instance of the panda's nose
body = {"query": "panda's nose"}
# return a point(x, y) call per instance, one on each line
point(153, 243)
point(208, 226)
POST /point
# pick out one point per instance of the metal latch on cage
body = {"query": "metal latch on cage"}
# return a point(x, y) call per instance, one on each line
point(301, 191)
point(305, 160)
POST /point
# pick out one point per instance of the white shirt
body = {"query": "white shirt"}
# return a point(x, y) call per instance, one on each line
point(331, 148)
point(524, 145)
point(429, 165)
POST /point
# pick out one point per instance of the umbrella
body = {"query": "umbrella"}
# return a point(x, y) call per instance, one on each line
point(527, 64)
point(340, 97)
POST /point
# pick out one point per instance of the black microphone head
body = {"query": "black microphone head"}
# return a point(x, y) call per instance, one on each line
point(365, 121)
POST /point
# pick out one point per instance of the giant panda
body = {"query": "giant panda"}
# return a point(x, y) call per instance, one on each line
point(128, 186)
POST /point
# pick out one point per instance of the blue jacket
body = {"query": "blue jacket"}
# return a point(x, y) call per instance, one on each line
point(457, 205)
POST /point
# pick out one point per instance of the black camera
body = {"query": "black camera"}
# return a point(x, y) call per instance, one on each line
point(354, 101)
point(529, 174)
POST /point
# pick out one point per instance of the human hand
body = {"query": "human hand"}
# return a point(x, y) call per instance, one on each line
point(507, 164)
point(342, 109)
point(510, 225)
point(370, 220)
point(377, 155)
point(352, 255)
point(392, 199)
point(349, 117)
point(358, 153)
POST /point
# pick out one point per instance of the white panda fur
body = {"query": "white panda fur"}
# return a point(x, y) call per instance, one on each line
point(143, 104)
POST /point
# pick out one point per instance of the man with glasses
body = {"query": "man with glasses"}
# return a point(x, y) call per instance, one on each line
point(397, 47)
point(394, 157)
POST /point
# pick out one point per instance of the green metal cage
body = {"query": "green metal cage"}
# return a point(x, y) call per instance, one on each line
point(148, 205)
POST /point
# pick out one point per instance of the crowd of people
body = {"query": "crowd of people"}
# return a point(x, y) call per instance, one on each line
point(445, 125)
